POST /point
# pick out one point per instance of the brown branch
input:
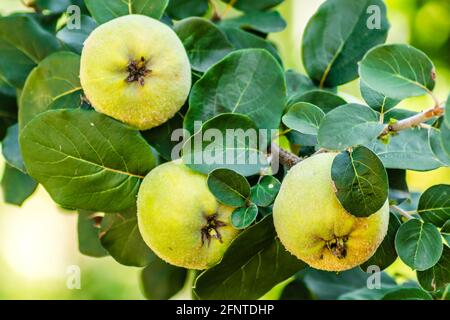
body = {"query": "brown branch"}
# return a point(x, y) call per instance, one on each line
point(285, 157)
point(413, 121)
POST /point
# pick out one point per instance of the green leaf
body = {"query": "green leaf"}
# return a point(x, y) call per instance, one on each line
point(124, 242)
point(22, 49)
point(254, 263)
point(264, 22)
point(376, 100)
point(385, 254)
point(434, 205)
point(325, 100)
point(367, 294)
point(53, 84)
point(398, 71)
point(436, 141)
point(407, 294)
point(17, 186)
point(349, 125)
point(205, 43)
point(447, 113)
point(212, 147)
point(229, 187)
point(418, 244)
point(445, 232)
point(251, 5)
point(243, 217)
point(296, 290)
point(331, 285)
point(180, 9)
point(407, 149)
point(86, 160)
point(54, 6)
point(11, 149)
point(245, 40)
point(161, 137)
point(361, 181)
point(445, 137)
point(8, 113)
point(337, 37)
point(398, 188)
point(104, 10)
point(437, 277)
point(248, 82)
point(304, 117)
point(161, 281)
point(89, 235)
point(265, 191)
point(297, 83)
point(74, 38)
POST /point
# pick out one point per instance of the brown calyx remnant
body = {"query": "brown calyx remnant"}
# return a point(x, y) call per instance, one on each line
point(211, 229)
point(137, 71)
point(338, 247)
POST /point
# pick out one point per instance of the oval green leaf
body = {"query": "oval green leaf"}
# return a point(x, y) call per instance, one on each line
point(349, 125)
point(249, 82)
point(304, 117)
point(263, 194)
point(89, 235)
point(11, 149)
point(398, 71)
point(434, 205)
point(418, 244)
point(325, 100)
point(361, 181)
point(74, 38)
point(229, 187)
point(376, 100)
point(243, 217)
point(407, 294)
point(252, 5)
point(338, 36)
point(17, 186)
point(437, 277)
point(86, 160)
point(264, 22)
point(180, 9)
point(437, 146)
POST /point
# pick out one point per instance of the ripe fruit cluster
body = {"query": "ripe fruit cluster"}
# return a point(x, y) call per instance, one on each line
point(136, 70)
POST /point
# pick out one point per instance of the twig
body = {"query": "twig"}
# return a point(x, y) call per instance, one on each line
point(402, 212)
point(228, 8)
point(285, 157)
point(414, 121)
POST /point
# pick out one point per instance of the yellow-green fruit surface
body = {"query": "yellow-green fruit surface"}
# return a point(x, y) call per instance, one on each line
point(313, 225)
point(174, 206)
point(136, 70)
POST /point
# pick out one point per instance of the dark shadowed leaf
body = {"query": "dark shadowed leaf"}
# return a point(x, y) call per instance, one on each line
point(438, 276)
point(17, 186)
point(249, 82)
point(180, 9)
point(54, 6)
point(298, 83)
point(376, 100)
point(437, 146)
point(398, 188)
point(264, 22)
point(445, 232)
point(325, 100)
point(252, 5)
point(304, 117)
point(368, 294)
point(11, 149)
point(407, 294)
point(86, 160)
point(254, 263)
point(398, 71)
point(349, 125)
point(53, 84)
point(243, 217)
point(22, 49)
point(122, 239)
point(89, 234)
point(229, 187)
point(105, 10)
point(434, 205)
point(74, 38)
point(360, 180)
point(161, 281)
point(385, 254)
point(265, 191)
point(338, 36)
point(418, 244)
point(205, 43)
point(296, 290)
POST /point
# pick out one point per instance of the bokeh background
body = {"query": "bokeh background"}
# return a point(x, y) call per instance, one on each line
point(38, 242)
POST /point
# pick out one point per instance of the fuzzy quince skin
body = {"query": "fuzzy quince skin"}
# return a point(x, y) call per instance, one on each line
point(181, 220)
point(313, 225)
point(135, 69)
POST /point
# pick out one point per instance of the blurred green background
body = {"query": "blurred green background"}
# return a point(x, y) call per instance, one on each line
point(38, 242)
